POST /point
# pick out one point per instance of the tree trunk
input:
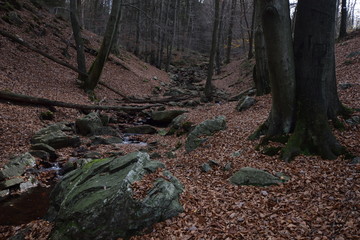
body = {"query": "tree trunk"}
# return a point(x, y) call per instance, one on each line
point(110, 32)
point(251, 37)
point(208, 85)
point(279, 47)
point(315, 75)
point(218, 43)
point(261, 71)
point(343, 24)
point(78, 39)
point(230, 32)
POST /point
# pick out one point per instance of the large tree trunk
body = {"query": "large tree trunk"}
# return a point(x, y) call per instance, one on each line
point(315, 78)
point(343, 19)
point(208, 85)
point(78, 40)
point(279, 47)
point(261, 71)
point(110, 32)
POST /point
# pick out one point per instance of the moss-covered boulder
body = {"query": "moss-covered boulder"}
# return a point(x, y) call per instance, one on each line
point(17, 166)
point(89, 124)
point(57, 135)
point(165, 117)
point(97, 201)
point(255, 177)
point(206, 128)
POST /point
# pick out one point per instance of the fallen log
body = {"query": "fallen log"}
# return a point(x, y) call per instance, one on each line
point(9, 96)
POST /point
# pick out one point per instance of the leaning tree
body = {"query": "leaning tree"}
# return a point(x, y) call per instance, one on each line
point(315, 94)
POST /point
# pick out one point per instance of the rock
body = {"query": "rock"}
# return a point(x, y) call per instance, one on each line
point(171, 154)
point(236, 154)
point(355, 160)
point(31, 183)
point(206, 167)
point(17, 166)
point(282, 176)
point(344, 86)
point(92, 155)
point(355, 120)
point(142, 129)
point(4, 193)
point(353, 54)
point(155, 155)
point(54, 135)
point(165, 117)
point(254, 177)
point(179, 125)
point(97, 200)
point(40, 154)
point(14, 18)
point(96, 140)
point(206, 128)
point(46, 148)
point(11, 182)
point(89, 125)
point(174, 92)
point(213, 163)
point(227, 167)
point(245, 103)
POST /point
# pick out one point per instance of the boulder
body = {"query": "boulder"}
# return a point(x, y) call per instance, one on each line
point(165, 117)
point(254, 177)
point(97, 201)
point(11, 182)
point(96, 140)
point(245, 103)
point(179, 125)
point(206, 128)
point(354, 120)
point(89, 125)
point(17, 166)
point(141, 129)
point(46, 148)
point(55, 136)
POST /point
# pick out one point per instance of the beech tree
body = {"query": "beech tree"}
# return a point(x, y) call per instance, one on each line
point(313, 64)
point(343, 22)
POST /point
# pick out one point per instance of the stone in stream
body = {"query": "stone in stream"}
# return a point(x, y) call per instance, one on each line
point(206, 128)
point(142, 129)
point(46, 148)
point(97, 201)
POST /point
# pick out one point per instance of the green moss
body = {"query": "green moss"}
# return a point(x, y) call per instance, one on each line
point(90, 164)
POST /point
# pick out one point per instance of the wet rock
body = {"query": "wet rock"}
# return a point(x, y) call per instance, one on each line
point(56, 136)
point(165, 117)
point(245, 103)
point(40, 154)
point(143, 129)
point(17, 166)
point(4, 193)
point(206, 128)
point(254, 177)
point(31, 183)
point(46, 148)
point(97, 200)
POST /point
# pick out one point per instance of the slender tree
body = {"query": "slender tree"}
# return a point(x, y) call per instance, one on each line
point(230, 31)
point(208, 85)
point(343, 22)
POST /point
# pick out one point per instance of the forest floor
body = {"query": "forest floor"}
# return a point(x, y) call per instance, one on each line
point(321, 201)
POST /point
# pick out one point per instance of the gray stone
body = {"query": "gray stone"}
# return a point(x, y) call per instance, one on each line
point(165, 117)
point(11, 182)
point(355, 120)
point(97, 200)
point(46, 148)
point(31, 183)
point(92, 155)
point(355, 160)
point(353, 54)
point(15, 19)
point(54, 135)
point(155, 155)
point(344, 86)
point(206, 128)
point(89, 125)
point(96, 140)
point(245, 103)
point(227, 167)
point(4, 193)
point(206, 167)
point(213, 163)
point(40, 154)
point(17, 166)
point(171, 154)
point(142, 129)
point(255, 177)
point(283, 177)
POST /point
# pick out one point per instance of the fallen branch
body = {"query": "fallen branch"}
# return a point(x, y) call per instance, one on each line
point(9, 96)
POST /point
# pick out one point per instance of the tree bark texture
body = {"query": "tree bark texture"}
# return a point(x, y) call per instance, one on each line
point(261, 71)
point(80, 56)
point(110, 32)
point(279, 47)
point(315, 80)
point(230, 32)
point(343, 23)
point(208, 85)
